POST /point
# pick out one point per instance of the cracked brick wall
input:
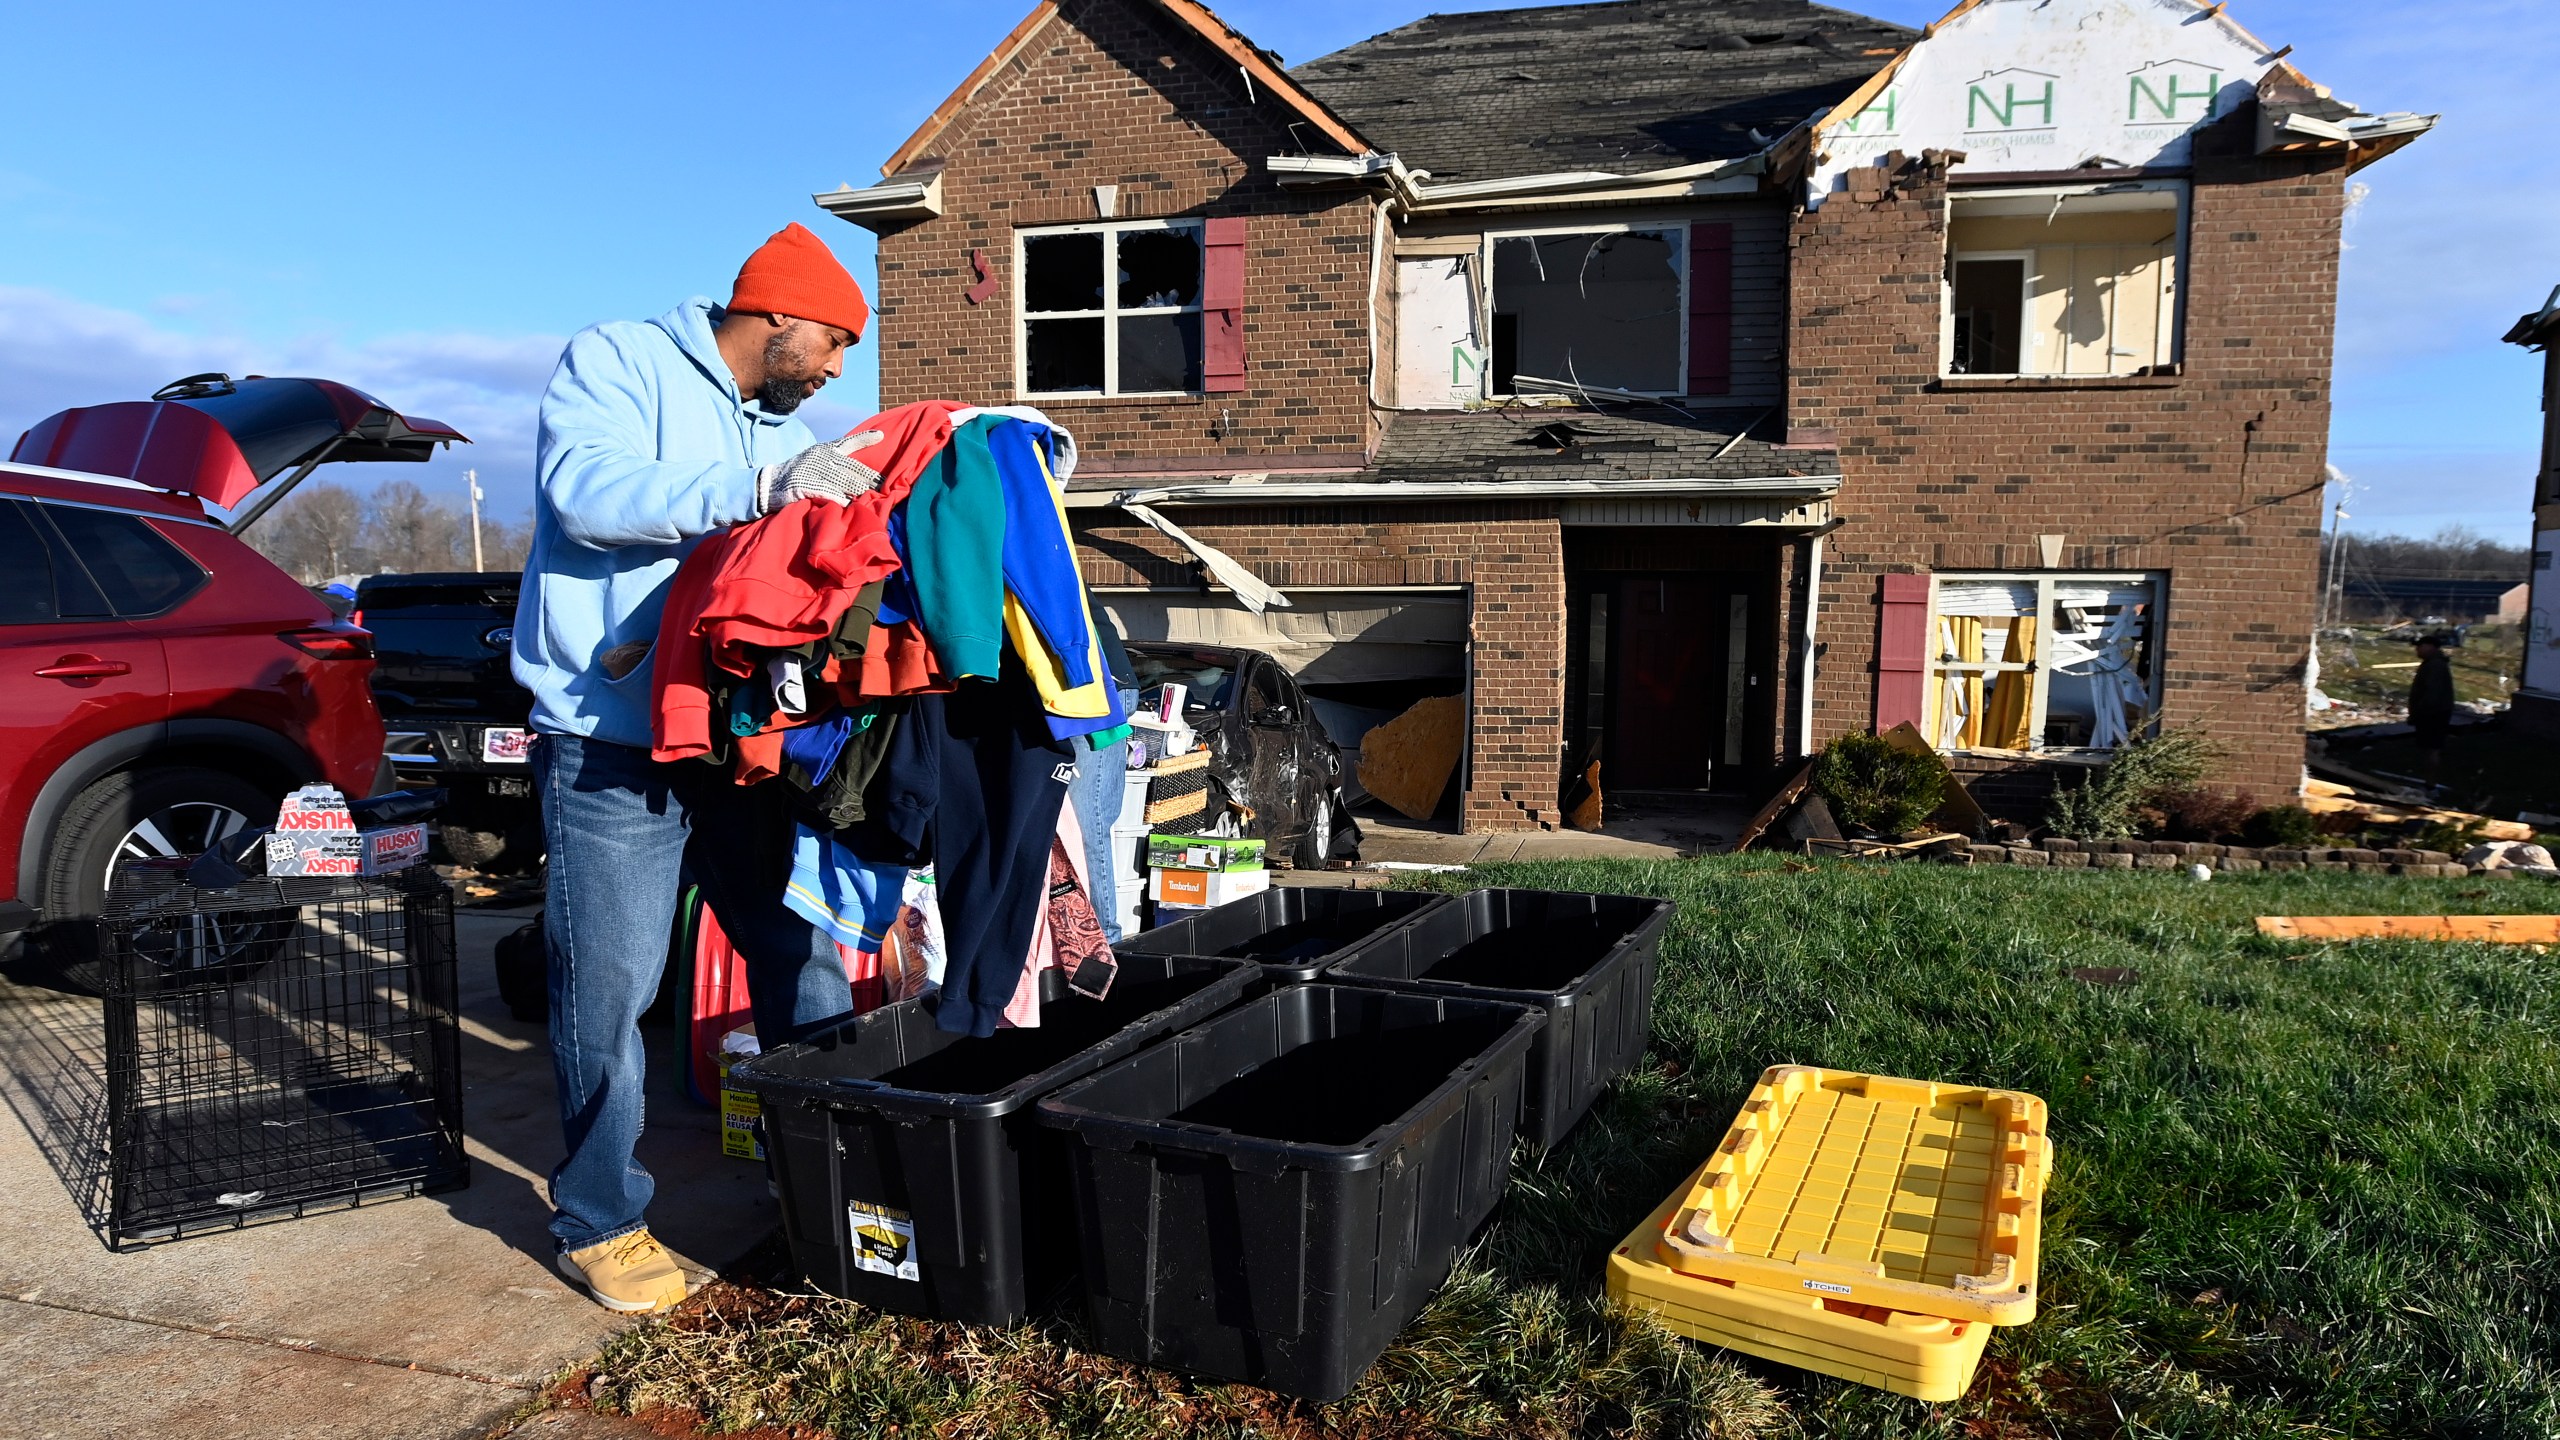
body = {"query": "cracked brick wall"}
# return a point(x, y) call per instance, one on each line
point(2213, 476)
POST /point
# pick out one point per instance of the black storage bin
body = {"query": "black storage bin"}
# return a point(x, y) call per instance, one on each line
point(1587, 960)
point(273, 1048)
point(1270, 1196)
point(1292, 934)
point(913, 1175)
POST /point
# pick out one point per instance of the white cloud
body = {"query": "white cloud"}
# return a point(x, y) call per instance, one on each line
point(57, 352)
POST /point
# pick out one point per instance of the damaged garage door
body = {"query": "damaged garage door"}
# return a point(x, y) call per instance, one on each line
point(1336, 637)
point(1363, 657)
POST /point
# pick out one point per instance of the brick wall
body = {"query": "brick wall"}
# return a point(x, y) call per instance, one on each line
point(2213, 476)
point(1108, 93)
point(1511, 558)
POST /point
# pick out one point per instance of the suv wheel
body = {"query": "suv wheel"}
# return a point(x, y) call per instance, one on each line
point(144, 814)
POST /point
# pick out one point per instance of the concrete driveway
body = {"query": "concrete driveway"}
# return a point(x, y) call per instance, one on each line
point(437, 1316)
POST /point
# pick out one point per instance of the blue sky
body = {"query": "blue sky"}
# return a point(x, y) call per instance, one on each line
point(426, 203)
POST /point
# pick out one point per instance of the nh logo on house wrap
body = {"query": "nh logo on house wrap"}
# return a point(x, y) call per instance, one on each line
point(2012, 99)
point(2172, 92)
point(1883, 115)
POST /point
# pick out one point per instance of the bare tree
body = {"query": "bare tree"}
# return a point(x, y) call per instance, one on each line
point(316, 535)
point(408, 531)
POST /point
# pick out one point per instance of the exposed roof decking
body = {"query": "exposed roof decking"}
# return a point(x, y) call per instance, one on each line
point(1624, 87)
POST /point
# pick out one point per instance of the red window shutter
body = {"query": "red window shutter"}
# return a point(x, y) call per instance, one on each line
point(1902, 652)
point(1711, 309)
point(1222, 304)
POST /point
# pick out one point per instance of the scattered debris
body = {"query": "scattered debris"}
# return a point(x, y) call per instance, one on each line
point(2507, 855)
point(1957, 809)
point(2329, 797)
point(1407, 762)
point(2495, 929)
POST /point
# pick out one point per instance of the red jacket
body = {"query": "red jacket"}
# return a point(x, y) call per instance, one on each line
point(783, 580)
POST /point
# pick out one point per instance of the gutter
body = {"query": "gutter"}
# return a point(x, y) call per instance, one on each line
point(1415, 196)
point(1387, 492)
point(893, 202)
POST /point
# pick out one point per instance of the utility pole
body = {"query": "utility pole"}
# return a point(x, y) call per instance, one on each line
point(2334, 583)
point(471, 480)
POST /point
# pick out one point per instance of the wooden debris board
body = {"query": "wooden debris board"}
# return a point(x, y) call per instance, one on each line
point(1407, 762)
point(1767, 815)
point(2495, 929)
point(1957, 809)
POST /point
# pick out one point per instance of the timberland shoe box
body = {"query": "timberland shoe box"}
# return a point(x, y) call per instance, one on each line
point(315, 835)
point(1204, 889)
point(1203, 852)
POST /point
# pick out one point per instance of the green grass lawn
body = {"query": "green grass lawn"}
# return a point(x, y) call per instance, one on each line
point(2299, 1190)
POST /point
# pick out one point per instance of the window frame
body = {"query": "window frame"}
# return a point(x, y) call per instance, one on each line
point(1933, 676)
point(1485, 296)
point(1111, 312)
point(2183, 205)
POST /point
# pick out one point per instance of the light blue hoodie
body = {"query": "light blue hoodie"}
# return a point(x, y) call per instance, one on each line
point(645, 447)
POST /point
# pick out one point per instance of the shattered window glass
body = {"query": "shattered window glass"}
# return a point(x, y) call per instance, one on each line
point(1062, 272)
point(1112, 309)
point(1062, 356)
point(1599, 309)
point(1159, 268)
point(1160, 352)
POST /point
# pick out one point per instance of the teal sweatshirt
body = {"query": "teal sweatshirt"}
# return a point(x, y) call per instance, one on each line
point(955, 553)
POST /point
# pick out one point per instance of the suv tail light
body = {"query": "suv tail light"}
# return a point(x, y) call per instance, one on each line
point(334, 641)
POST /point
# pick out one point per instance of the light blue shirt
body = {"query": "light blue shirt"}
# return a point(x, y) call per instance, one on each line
point(645, 447)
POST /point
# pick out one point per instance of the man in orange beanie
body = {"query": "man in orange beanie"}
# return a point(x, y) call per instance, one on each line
point(654, 434)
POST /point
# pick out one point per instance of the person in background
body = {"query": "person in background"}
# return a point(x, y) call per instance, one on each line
point(653, 434)
point(2431, 703)
point(1101, 776)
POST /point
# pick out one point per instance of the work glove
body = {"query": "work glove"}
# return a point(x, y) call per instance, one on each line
point(825, 471)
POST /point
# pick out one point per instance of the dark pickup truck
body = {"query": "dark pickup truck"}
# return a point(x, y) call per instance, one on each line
point(453, 714)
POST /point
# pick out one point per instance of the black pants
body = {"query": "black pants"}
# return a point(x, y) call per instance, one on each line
point(977, 784)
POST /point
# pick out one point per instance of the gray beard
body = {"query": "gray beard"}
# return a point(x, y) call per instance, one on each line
point(777, 395)
point(781, 397)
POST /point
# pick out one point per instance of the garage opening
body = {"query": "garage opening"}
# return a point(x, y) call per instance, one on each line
point(1363, 657)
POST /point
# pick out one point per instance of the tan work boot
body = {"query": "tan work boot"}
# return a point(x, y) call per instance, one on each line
point(632, 1273)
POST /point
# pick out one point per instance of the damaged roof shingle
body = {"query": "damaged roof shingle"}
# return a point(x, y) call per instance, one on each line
point(1545, 443)
point(1626, 87)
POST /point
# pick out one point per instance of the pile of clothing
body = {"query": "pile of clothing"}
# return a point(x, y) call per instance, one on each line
point(920, 668)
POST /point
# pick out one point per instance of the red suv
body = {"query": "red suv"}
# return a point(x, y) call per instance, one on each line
point(162, 685)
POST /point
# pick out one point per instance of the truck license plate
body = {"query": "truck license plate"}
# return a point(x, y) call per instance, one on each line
point(504, 747)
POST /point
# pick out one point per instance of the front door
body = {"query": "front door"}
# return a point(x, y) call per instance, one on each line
point(1682, 682)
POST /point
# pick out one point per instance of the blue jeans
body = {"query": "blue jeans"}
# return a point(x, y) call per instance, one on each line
point(1100, 778)
point(620, 828)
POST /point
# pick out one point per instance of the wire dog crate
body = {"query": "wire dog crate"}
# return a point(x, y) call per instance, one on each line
point(281, 1046)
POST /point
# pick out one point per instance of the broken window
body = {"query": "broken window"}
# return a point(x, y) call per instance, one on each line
point(2042, 662)
point(1599, 309)
point(2076, 281)
point(1111, 309)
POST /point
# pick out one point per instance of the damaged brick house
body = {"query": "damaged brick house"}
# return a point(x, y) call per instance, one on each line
point(1681, 383)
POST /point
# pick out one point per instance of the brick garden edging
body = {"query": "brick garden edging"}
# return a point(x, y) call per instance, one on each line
point(2180, 854)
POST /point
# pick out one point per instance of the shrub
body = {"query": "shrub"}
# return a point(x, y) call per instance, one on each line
point(2285, 827)
point(2138, 777)
point(2207, 815)
point(1871, 786)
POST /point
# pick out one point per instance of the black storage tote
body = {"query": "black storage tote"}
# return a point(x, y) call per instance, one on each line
point(1587, 960)
point(1270, 1196)
point(913, 1175)
point(1292, 934)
